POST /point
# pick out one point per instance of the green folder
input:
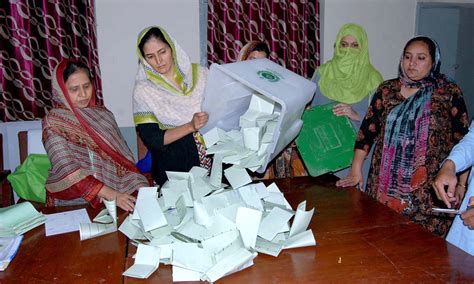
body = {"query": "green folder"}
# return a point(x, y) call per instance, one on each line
point(326, 141)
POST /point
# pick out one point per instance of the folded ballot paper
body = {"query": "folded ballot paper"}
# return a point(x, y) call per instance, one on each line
point(147, 261)
point(104, 223)
point(18, 219)
point(207, 230)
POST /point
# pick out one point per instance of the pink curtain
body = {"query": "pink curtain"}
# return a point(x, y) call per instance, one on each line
point(290, 28)
point(35, 36)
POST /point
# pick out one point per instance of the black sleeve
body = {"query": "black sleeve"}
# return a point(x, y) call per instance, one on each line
point(152, 136)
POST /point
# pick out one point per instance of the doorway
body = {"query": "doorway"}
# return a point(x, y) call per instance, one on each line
point(452, 25)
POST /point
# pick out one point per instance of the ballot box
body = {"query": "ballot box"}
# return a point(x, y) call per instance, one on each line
point(229, 91)
point(326, 141)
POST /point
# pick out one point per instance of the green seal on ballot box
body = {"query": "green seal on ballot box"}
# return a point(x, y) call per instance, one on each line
point(268, 75)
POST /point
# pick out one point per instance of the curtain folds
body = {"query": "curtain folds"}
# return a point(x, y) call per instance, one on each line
point(290, 29)
point(34, 37)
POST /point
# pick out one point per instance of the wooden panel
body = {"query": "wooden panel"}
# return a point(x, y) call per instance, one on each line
point(23, 141)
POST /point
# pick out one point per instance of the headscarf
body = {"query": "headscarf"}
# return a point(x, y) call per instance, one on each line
point(349, 76)
point(156, 100)
point(247, 49)
point(402, 168)
point(62, 100)
point(86, 150)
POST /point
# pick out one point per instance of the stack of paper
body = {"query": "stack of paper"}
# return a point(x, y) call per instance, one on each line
point(249, 147)
point(8, 249)
point(18, 219)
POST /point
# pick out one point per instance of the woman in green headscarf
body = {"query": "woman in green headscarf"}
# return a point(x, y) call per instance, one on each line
point(167, 104)
point(348, 77)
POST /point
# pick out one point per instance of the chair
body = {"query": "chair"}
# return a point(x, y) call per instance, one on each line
point(6, 195)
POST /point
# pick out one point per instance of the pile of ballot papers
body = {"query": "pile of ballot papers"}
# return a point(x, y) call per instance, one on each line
point(207, 230)
point(247, 147)
point(18, 219)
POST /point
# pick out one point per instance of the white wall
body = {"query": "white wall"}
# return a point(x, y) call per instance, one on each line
point(388, 23)
point(118, 25)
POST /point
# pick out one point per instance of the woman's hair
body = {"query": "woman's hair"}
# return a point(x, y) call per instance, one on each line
point(427, 41)
point(152, 33)
point(74, 66)
point(261, 46)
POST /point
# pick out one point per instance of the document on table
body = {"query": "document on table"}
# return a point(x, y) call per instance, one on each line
point(65, 222)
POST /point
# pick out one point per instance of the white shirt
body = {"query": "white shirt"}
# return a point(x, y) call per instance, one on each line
point(463, 157)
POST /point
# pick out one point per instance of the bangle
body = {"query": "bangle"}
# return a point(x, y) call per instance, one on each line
point(461, 185)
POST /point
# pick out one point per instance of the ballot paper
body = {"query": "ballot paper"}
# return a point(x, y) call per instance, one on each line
point(149, 210)
point(248, 222)
point(302, 219)
point(92, 230)
point(237, 176)
point(147, 261)
point(131, 228)
point(65, 222)
point(272, 223)
point(183, 274)
point(303, 239)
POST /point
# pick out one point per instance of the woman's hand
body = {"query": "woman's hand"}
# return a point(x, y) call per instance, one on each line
point(199, 120)
point(123, 200)
point(345, 109)
point(353, 179)
point(446, 177)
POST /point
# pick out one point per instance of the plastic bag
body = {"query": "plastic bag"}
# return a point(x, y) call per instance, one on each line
point(29, 179)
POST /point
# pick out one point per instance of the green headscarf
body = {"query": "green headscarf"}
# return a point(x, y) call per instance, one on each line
point(348, 77)
point(186, 73)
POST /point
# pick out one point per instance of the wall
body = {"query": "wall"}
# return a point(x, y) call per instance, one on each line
point(465, 58)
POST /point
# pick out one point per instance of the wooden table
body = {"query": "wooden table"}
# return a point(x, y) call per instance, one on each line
point(358, 240)
point(65, 258)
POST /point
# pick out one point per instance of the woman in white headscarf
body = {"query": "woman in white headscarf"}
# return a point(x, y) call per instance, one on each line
point(167, 104)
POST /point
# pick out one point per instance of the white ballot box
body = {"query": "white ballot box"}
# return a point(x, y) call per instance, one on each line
point(230, 88)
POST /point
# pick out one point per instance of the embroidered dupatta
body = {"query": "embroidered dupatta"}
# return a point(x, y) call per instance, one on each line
point(86, 150)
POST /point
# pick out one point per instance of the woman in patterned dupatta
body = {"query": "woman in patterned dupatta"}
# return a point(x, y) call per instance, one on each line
point(167, 104)
point(89, 157)
point(414, 121)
